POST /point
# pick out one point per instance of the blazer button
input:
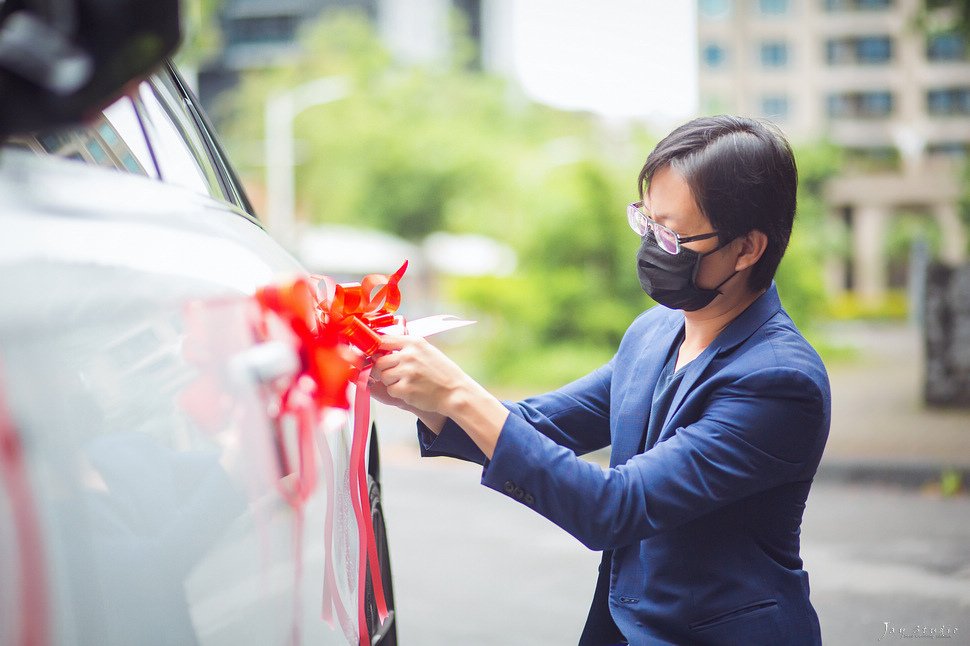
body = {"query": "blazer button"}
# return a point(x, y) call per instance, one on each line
point(509, 486)
point(518, 493)
point(529, 500)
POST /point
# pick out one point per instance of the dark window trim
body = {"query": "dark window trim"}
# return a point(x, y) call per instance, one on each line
point(227, 175)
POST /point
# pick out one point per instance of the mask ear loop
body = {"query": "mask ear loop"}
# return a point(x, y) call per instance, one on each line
point(720, 284)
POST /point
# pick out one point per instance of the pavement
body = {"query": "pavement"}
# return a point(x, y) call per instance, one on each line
point(881, 430)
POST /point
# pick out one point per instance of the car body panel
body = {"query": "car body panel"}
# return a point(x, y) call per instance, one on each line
point(149, 444)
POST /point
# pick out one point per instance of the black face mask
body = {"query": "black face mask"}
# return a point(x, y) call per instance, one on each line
point(669, 279)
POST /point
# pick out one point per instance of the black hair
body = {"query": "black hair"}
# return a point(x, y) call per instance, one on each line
point(742, 175)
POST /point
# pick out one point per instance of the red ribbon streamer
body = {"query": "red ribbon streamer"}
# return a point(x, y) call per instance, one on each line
point(348, 315)
point(358, 310)
point(326, 367)
point(33, 581)
point(360, 499)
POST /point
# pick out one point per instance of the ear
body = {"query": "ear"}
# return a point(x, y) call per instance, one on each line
point(750, 249)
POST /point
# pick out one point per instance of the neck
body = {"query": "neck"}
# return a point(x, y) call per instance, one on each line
point(702, 326)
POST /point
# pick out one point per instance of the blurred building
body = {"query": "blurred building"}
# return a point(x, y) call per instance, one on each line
point(262, 33)
point(884, 79)
point(258, 34)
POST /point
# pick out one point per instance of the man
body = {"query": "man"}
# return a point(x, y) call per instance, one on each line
point(716, 408)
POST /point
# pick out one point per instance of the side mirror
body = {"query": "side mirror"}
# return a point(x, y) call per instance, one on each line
point(61, 61)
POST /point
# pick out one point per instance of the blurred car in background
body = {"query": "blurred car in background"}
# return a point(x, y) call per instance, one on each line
point(141, 455)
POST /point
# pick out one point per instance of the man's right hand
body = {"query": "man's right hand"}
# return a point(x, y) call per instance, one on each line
point(434, 421)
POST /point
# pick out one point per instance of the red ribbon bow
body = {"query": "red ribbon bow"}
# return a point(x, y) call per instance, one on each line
point(324, 359)
point(358, 310)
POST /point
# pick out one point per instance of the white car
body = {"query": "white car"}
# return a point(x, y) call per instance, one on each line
point(151, 487)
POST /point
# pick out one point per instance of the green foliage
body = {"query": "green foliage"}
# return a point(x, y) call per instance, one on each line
point(801, 283)
point(412, 150)
point(908, 228)
point(200, 32)
point(951, 482)
point(940, 16)
point(952, 14)
point(894, 306)
point(963, 204)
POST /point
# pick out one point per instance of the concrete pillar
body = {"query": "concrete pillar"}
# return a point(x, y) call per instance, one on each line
point(868, 233)
point(498, 37)
point(835, 268)
point(415, 31)
point(954, 247)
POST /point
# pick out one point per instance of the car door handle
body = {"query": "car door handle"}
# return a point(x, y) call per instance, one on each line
point(267, 362)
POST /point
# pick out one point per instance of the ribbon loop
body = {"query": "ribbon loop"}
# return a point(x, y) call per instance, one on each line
point(361, 309)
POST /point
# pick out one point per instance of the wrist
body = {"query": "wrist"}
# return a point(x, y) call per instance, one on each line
point(459, 397)
point(477, 412)
point(433, 421)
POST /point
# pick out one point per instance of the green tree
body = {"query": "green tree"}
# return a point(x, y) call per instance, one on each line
point(954, 14)
point(951, 16)
point(412, 150)
point(814, 239)
point(200, 32)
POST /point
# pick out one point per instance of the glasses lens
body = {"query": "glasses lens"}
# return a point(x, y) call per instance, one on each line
point(638, 221)
point(666, 239)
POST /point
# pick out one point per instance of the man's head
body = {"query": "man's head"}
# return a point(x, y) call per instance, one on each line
point(742, 175)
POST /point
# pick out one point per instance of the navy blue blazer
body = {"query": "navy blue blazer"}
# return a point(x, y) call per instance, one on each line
point(700, 527)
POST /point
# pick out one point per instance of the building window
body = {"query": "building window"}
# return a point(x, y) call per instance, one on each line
point(714, 56)
point(864, 50)
point(948, 101)
point(715, 9)
point(860, 105)
point(839, 52)
point(774, 54)
point(773, 7)
point(263, 29)
point(947, 46)
point(857, 5)
point(875, 104)
point(954, 149)
point(874, 49)
point(774, 106)
point(872, 158)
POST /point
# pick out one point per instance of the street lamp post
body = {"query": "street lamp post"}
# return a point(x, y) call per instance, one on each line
point(280, 111)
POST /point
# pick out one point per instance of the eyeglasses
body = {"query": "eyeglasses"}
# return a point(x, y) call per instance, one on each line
point(666, 239)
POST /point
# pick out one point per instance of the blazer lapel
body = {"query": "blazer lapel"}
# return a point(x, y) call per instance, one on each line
point(692, 373)
point(736, 333)
point(634, 410)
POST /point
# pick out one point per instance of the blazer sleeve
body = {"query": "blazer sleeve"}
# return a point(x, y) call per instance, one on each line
point(766, 428)
point(576, 417)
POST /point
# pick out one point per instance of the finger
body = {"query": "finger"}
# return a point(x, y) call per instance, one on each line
point(390, 342)
point(386, 362)
point(399, 390)
point(389, 378)
point(379, 392)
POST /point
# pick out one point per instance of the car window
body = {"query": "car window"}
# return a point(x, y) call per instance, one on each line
point(182, 156)
point(114, 139)
point(152, 132)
